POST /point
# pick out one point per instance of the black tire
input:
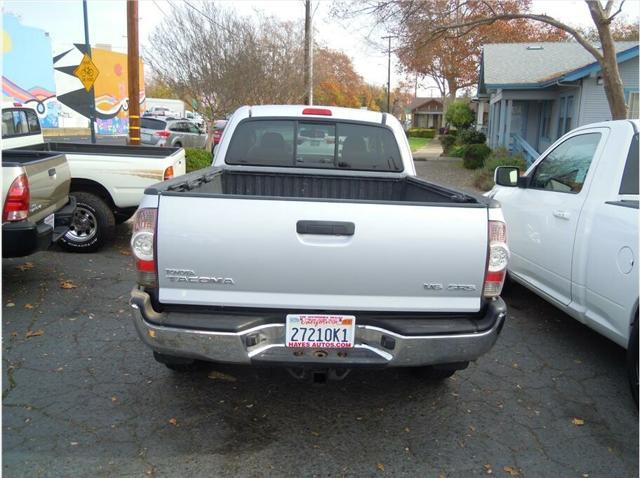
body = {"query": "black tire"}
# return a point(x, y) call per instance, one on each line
point(178, 144)
point(632, 361)
point(177, 364)
point(93, 224)
point(438, 372)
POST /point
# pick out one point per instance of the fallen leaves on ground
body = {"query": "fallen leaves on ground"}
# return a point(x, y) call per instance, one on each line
point(67, 284)
point(25, 267)
point(28, 306)
point(10, 304)
point(578, 422)
point(173, 421)
point(215, 375)
point(34, 333)
point(380, 467)
point(511, 470)
point(488, 468)
point(125, 252)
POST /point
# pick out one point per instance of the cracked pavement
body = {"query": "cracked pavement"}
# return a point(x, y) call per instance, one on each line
point(86, 398)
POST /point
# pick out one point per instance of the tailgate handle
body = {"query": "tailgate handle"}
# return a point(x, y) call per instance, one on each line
point(330, 228)
point(52, 172)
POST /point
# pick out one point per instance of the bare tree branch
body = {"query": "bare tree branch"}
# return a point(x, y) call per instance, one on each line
point(440, 31)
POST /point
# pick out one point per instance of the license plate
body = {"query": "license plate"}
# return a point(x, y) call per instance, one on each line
point(50, 220)
point(145, 137)
point(315, 143)
point(327, 331)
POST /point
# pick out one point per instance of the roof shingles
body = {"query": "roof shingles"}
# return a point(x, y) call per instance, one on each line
point(533, 63)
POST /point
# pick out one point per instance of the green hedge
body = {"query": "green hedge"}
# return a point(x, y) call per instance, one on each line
point(499, 157)
point(475, 155)
point(470, 136)
point(421, 133)
point(197, 159)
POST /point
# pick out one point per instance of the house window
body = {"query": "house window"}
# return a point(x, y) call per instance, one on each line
point(633, 104)
point(545, 127)
point(565, 118)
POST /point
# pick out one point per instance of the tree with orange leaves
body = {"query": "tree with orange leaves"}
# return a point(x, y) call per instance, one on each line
point(453, 63)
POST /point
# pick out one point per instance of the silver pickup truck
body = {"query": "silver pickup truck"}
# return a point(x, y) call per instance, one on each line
point(36, 207)
point(311, 244)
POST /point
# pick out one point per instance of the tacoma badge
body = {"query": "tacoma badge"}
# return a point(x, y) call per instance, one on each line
point(187, 275)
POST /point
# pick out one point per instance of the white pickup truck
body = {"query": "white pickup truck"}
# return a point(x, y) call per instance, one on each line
point(573, 229)
point(107, 181)
point(312, 245)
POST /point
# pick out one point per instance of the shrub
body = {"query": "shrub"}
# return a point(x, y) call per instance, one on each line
point(475, 156)
point(447, 141)
point(471, 136)
point(197, 159)
point(457, 151)
point(459, 114)
point(499, 157)
point(421, 133)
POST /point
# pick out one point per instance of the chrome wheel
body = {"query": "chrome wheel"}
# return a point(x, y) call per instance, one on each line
point(83, 226)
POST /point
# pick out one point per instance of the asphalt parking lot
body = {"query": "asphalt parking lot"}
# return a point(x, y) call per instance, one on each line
point(83, 397)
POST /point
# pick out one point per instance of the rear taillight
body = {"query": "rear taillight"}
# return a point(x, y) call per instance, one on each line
point(217, 134)
point(16, 204)
point(498, 257)
point(143, 246)
point(168, 173)
point(162, 134)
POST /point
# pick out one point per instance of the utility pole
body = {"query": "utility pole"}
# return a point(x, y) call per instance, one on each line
point(308, 53)
point(92, 96)
point(389, 37)
point(133, 63)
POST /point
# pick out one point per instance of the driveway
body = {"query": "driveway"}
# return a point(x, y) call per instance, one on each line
point(84, 397)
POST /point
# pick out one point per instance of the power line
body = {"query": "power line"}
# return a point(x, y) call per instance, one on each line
point(160, 8)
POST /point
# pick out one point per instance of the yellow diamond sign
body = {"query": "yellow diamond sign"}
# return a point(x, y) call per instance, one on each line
point(87, 72)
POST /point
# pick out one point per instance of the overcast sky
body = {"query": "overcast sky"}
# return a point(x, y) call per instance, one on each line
point(107, 24)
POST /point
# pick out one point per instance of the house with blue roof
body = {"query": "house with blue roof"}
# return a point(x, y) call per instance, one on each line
point(536, 92)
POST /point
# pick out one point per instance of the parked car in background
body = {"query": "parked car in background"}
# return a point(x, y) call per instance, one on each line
point(172, 133)
point(107, 180)
point(165, 107)
point(317, 259)
point(196, 118)
point(216, 133)
point(36, 207)
point(573, 229)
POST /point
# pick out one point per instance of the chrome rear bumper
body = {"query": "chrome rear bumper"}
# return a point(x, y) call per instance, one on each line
point(374, 346)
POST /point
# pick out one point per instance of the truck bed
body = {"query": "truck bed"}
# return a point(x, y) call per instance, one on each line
point(312, 186)
point(102, 149)
point(12, 157)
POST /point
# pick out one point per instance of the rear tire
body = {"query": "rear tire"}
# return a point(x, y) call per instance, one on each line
point(632, 361)
point(177, 364)
point(92, 226)
point(438, 372)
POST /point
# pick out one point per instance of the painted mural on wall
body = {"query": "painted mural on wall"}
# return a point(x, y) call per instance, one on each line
point(112, 101)
point(33, 75)
point(27, 72)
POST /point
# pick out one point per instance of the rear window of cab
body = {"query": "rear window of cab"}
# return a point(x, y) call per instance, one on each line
point(314, 144)
point(19, 122)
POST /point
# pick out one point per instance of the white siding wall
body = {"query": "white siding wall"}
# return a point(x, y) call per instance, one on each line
point(594, 106)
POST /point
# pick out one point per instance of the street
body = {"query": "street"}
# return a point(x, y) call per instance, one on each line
point(84, 397)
